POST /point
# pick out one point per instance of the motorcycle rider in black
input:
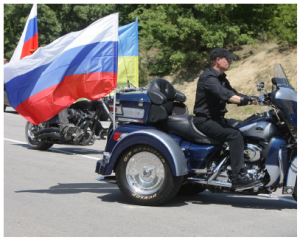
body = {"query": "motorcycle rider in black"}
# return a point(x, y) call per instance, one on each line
point(213, 92)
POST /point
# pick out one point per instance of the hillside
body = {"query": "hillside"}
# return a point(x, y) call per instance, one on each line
point(254, 64)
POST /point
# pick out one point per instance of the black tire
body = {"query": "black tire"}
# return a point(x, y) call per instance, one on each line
point(295, 191)
point(191, 188)
point(155, 185)
point(35, 144)
point(4, 107)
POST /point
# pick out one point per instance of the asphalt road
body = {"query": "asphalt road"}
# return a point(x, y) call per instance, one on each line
point(56, 193)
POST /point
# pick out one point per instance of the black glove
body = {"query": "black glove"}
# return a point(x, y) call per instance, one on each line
point(245, 100)
point(179, 96)
point(253, 98)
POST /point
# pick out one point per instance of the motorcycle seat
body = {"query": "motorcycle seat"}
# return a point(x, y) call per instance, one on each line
point(163, 97)
point(183, 126)
point(84, 105)
point(161, 91)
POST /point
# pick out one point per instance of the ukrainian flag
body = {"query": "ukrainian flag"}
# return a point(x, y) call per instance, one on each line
point(128, 51)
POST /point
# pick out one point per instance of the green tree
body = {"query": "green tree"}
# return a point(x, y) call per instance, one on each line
point(171, 36)
point(284, 25)
point(75, 17)
point(181, 34)
point(13, 26)
point(56, 20)
point(49, 27)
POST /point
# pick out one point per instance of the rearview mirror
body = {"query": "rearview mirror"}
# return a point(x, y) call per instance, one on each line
point(260, 86)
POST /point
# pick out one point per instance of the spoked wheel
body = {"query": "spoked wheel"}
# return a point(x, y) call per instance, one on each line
point(35, 143)
point(145, 178)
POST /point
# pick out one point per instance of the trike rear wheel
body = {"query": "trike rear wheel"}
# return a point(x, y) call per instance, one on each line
point(144, 176)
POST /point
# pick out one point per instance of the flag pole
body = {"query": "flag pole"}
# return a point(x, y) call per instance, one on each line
point(114, 109)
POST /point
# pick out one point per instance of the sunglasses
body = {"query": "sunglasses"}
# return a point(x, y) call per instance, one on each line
point(229, 60)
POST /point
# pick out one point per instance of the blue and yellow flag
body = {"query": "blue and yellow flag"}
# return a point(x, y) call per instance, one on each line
point(128, 51)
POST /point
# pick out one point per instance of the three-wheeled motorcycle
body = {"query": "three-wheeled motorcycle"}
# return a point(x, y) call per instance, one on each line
point(156, 151)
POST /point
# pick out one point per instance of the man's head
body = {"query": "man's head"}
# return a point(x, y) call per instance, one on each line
point(220, 59)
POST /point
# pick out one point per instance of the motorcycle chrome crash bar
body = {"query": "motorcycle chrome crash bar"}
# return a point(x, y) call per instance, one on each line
point(211, 181)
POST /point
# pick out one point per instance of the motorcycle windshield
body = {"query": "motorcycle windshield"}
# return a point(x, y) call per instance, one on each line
point(280, 77)
point(286, 96)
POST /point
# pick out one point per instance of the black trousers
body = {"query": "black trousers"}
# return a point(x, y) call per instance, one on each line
point(63, 119)
point(221, 129)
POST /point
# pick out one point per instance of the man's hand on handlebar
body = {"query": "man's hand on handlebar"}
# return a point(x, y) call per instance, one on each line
point(254, 100)
point(246, 100)
point(264, 100)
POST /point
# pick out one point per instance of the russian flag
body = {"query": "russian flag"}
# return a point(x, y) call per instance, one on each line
point(81, 64)
point(28, 42)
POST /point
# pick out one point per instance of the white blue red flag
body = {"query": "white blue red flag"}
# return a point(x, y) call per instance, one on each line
point(81, 64)
point(28, 42)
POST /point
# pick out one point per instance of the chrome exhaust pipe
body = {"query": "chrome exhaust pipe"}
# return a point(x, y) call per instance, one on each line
point(52, 135)
point(46, 130)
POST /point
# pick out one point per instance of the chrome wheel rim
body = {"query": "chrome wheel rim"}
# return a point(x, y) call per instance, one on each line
point(145, 173)
point(30, 134)
point(31, 137)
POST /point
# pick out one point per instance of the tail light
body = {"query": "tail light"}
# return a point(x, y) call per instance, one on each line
point(118, 109)
point(117, 135)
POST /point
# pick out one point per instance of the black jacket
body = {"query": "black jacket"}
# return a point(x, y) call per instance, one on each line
point(213, 91)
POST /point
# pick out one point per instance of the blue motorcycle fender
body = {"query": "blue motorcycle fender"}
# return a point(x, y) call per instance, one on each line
point(157, 139)
point(292, 172)
point(276, 145)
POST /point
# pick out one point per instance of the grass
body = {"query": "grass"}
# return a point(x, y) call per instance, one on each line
point(241, 113)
